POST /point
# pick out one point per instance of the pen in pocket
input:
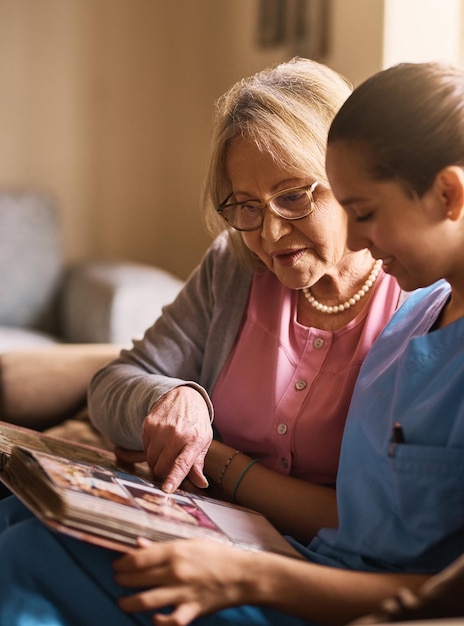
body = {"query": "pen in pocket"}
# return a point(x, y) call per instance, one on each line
point(398, 435)
point(396, 438)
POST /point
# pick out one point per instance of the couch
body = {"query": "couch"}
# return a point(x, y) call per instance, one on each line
point(45, 302)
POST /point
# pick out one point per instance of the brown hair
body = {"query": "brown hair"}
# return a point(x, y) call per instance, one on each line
point(408, 120)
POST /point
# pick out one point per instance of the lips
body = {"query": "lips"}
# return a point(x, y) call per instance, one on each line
point(287, 257)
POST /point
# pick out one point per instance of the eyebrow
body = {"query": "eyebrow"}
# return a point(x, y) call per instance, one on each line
point(352, 200)
point(291, 182)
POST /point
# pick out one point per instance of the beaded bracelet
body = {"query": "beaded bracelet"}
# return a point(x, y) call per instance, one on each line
point(226, 465)
point(240, 478)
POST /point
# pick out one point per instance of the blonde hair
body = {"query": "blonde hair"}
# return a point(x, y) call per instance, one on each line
point(286, 110)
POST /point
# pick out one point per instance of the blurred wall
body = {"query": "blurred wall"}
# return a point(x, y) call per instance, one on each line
point(108, 104)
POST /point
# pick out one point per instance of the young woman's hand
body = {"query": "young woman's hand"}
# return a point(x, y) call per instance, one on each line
point(195, 577)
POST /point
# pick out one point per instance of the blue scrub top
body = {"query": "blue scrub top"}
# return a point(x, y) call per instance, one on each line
point(401, 505)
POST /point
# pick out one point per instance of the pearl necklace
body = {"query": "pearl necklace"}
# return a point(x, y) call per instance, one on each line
point(338, 308)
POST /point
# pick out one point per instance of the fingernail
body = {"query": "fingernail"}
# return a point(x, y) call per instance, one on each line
point(168, 487)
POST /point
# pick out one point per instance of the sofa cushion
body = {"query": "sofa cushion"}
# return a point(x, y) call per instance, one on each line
point(21, 338)
point(30, 259)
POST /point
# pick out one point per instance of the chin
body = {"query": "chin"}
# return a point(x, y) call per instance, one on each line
point(296, 285)
point(411, 284)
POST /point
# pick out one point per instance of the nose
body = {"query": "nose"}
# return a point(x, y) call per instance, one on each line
point(274, 227)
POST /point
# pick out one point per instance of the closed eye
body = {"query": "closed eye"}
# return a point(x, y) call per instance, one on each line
point(364, 218)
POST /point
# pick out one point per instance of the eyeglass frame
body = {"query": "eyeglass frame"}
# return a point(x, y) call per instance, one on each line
point(266, 203)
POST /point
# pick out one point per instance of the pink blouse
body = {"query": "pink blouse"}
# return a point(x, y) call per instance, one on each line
point(283, 394)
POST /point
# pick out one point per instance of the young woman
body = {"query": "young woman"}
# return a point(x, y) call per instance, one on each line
point(395, 163)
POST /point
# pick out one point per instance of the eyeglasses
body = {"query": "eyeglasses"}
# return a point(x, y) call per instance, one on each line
point(290, 204)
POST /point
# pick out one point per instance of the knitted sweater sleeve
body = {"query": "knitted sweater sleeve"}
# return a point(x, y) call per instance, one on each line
point(187, 345)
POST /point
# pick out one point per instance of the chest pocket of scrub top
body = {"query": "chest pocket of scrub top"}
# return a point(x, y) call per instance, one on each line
point(428, 483)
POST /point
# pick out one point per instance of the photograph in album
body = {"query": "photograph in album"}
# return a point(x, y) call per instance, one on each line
point(102, 503)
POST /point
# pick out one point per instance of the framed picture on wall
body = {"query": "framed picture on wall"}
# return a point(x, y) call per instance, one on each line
point(302, 26)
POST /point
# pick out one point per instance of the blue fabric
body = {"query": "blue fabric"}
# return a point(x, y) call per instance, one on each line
point(401, 507)
point(48, 579)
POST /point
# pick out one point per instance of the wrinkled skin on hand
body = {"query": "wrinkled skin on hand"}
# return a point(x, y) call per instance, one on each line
point(196, 577)
point(176, 436)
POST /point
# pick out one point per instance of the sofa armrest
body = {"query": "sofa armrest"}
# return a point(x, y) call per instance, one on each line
point(113, 302)
point(42, 386)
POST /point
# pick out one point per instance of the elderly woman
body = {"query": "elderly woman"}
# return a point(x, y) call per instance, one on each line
point(270, 330)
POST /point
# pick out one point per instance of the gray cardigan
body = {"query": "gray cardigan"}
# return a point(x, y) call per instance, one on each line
point(188, 344)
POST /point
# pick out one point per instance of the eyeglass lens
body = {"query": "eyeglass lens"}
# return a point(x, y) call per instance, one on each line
point(290, 204)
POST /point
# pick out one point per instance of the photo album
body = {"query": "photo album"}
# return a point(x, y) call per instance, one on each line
point(81, 491)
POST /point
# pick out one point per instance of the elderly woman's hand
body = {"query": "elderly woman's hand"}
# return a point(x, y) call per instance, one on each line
point(176, 436)
point(195, 577)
